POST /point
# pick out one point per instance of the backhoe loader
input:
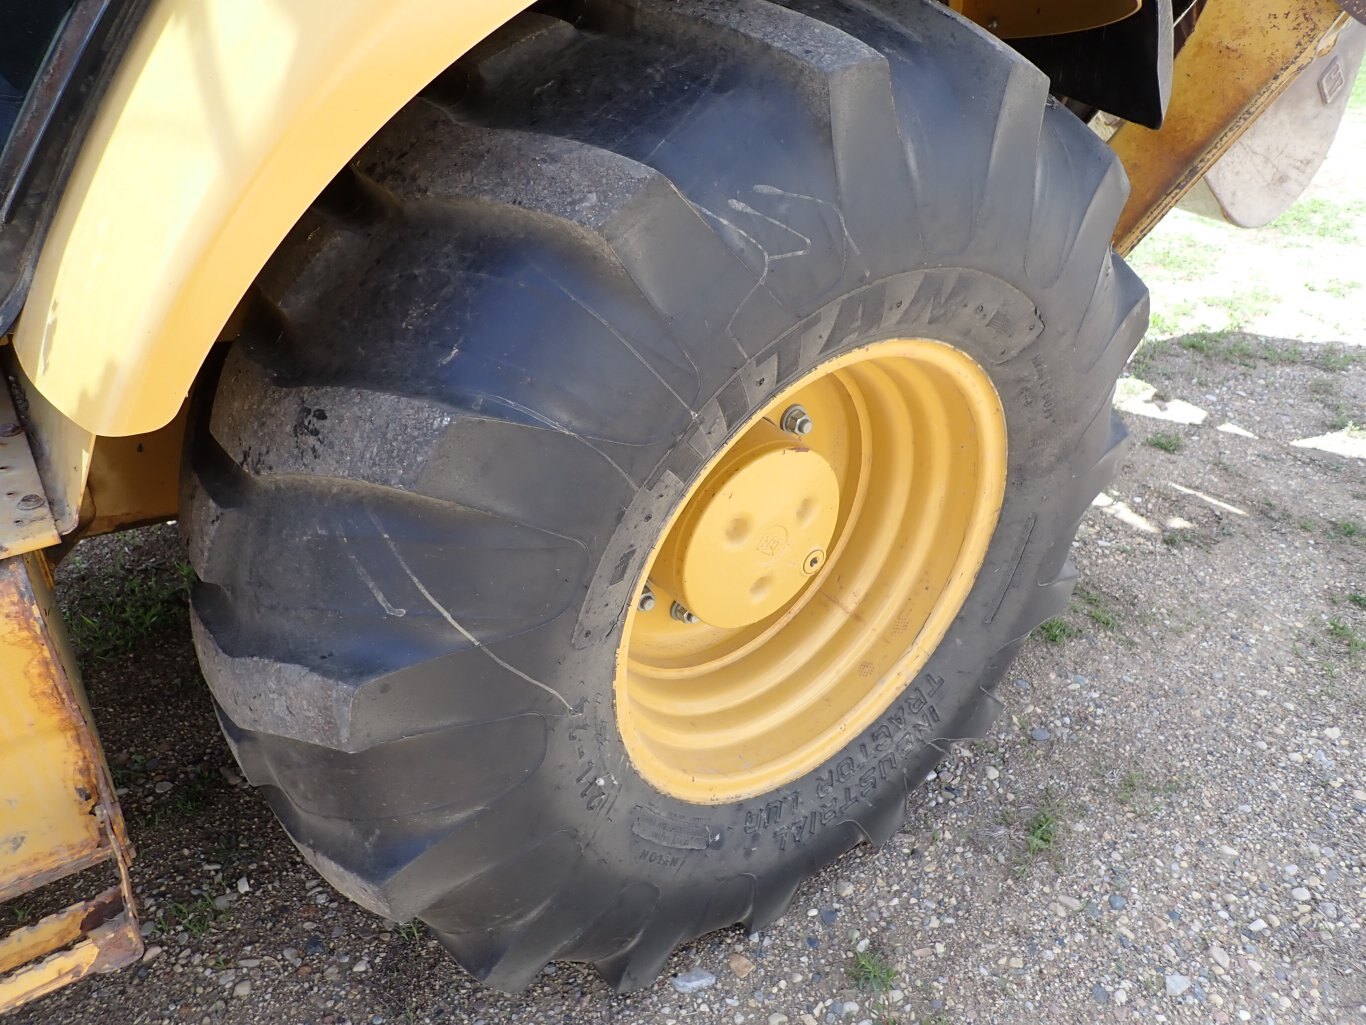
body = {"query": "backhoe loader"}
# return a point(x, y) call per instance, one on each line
point(618, 443)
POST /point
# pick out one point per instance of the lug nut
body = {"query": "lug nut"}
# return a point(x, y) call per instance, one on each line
point(797, 420)
point(683, 615)
point(647, 599)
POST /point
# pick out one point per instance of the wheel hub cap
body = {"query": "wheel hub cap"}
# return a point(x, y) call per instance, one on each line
point(755, 533)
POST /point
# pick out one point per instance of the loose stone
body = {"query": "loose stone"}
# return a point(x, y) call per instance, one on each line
point(740, 965)
point(694, 981)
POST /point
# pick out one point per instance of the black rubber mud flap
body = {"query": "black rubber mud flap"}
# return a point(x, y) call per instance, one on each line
point(479, 373)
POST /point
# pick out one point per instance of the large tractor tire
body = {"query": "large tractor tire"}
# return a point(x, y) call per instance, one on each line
point(647, 456)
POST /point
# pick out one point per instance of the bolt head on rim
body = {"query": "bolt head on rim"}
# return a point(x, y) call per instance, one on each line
point(680, 612)
point(797, 420)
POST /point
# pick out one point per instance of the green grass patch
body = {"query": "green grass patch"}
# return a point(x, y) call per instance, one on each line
point(135, 605)
point(1057, 630)
point(1338, 288)
point(1319, 220)
point(1169, 443)
point(1349, 426)
point(1148, 350)
point(876, 975)
point(1178, 255)
point(1141, 792)
point(1206, 343)
point(1127, 388)
point(1041, 833)
point(192, 795)
point(1243, 306)
point(1350, 530)
point(1342, 632)
point(1167, 322)
point(1337, 359)
point(1359, 600)
point(1095, 607)
point(1130, 786)
point(1347, 419)
point(1236, 347)
point(1182, 538)
point(1247, 350)
point(872, 971)
point(196, 917)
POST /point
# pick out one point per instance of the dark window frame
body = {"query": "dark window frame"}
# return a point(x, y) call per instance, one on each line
point(37, 158)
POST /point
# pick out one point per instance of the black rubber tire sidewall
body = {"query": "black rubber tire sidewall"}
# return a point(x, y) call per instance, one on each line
point(589, 783)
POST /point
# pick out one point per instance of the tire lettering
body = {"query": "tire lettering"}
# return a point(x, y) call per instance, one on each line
point(904, 731)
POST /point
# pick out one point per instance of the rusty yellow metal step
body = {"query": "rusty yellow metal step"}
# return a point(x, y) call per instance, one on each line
point(58, 812)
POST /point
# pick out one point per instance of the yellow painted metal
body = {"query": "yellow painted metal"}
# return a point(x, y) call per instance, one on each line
point(61, 447)
point(1241, 56)
point(26, 521)
point(48, 784)
point(1023, 19)
point(102, 948)
point(135, 481)
point(754, 533)
point(223, 122)
point(56, 931)
point(58, 813)
point(915, 435)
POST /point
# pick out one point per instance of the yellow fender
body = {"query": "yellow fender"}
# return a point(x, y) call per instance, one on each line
point(222, 124)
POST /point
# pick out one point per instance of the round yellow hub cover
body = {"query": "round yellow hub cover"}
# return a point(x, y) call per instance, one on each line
point(755, 533)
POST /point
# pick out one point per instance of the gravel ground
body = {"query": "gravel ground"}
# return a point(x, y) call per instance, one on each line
point(1167, 825)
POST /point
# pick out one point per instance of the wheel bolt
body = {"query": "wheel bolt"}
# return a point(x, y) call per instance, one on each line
point(647, 599)
point(797, 420)
point(683, 615)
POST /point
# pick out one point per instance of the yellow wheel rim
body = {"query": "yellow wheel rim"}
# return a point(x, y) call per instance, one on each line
point(805, 578)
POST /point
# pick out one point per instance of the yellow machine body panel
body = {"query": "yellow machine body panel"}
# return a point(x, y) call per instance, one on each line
point(222, 124)
point(1243, 54)
point(50, 788)
point(58, 812)
point(1024, 19)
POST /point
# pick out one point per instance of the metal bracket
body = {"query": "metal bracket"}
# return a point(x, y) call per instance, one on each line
point(60, 815)
point(26, 522)
point(1242, 56)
